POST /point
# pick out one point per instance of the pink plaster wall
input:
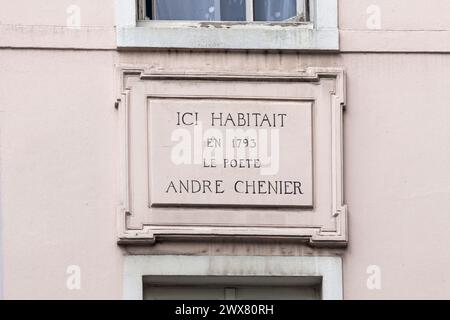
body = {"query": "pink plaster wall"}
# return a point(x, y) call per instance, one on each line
point(59, 165)
point(54, 12)
point(396, 14)
point(58, 182)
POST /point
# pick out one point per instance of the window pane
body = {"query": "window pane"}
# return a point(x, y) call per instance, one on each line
point(274, 10)
point(204, 10)
point(232, 10)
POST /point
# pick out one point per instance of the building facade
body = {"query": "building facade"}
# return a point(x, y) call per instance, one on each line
point(108, 109)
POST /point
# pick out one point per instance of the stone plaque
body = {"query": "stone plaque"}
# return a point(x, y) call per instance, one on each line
point(230, 152)
point(210, 155)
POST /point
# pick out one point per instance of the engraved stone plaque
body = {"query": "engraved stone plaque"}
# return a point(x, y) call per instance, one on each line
point(230, 152)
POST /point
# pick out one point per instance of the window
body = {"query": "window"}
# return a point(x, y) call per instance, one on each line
point(150, 276)
point(228, 24)
point(225, 10)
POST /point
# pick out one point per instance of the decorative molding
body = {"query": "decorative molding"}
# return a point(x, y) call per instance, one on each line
point(378, 41)
point(336, 235)
point(57, 37)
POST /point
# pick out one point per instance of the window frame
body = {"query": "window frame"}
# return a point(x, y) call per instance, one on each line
point(319, 34)
point(302, 11)
point(136, 267)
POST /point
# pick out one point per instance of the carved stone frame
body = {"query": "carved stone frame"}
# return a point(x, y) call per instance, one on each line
point(318, 236)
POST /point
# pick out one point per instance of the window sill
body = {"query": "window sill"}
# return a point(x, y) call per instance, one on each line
point(223, 35)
